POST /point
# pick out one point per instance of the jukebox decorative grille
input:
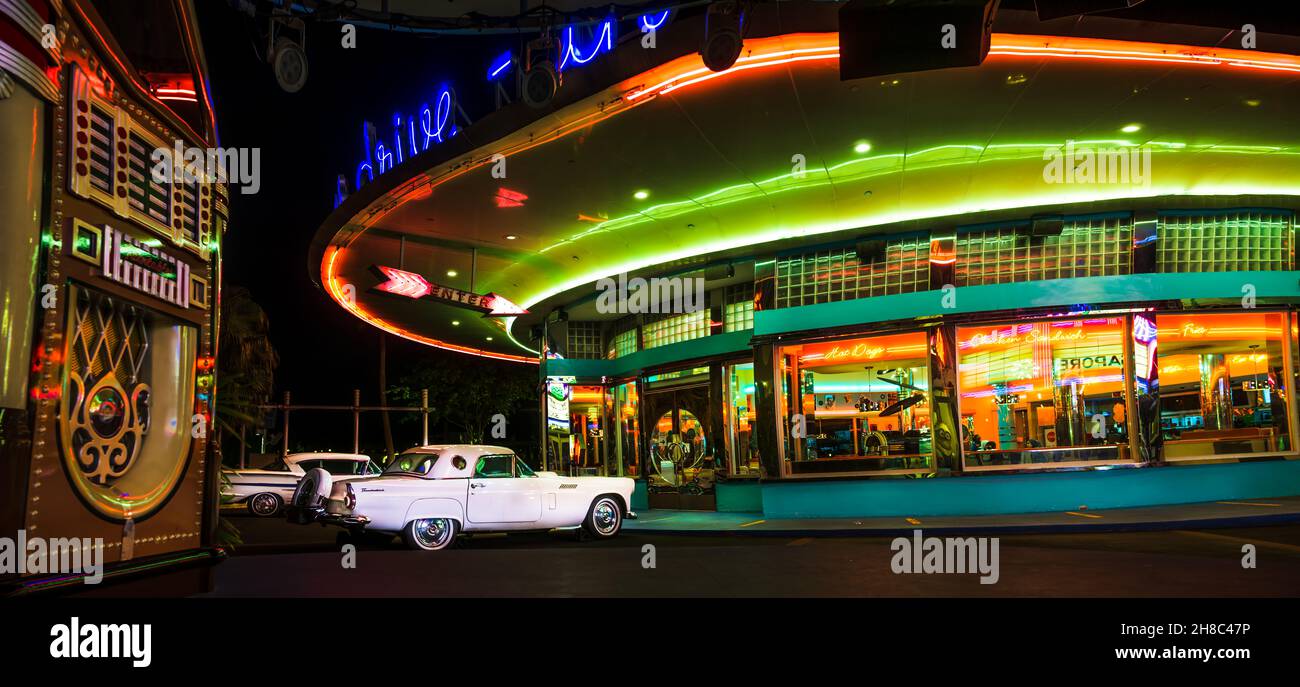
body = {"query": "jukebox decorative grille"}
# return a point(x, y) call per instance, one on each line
point(837, 274)
point(108, 398)
point(100, 145)
point(1085, 248)
point(146, 195)
point(1225, 242)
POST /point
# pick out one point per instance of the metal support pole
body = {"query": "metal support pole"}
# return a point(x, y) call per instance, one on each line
point(243, 448)
point(356, 421)
point(545, 436)
point(424, 416)
point(284, 447)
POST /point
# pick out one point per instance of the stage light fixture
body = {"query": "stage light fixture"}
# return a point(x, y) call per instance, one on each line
point(722, 41)
point(288, 57)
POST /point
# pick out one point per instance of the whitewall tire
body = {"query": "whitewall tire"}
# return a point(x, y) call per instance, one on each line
point(604, 518)
point(430, 534)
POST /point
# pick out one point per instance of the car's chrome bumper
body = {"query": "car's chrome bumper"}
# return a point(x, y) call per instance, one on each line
point(631, 515)
point(306, 516)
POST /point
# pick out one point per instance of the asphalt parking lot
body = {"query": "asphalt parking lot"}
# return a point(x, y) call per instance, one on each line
point(278, 559)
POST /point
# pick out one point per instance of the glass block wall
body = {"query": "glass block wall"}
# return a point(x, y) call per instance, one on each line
point(583, 340)
point(738, 308)
point(1235, 241)
point(837, 274)
point(1004, 255)
point(677, 328)
point(622, 343)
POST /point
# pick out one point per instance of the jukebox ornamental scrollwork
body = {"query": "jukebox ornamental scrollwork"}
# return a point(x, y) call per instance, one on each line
point(108, 402)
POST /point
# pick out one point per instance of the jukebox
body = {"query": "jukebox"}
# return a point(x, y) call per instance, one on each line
point(109, 272)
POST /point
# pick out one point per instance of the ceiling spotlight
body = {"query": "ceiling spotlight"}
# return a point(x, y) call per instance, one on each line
point(511, 237)
point(455, 323)
point(541, 80)
point(1131, 128)
point(489, 338)
point(452, 273)
point(722, 41)
point(641, 195)
point(287, 56)
point(861, 147)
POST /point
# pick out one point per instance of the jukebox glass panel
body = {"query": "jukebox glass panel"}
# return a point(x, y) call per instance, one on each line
point(128, 396)
point(857, 405)
point(1037, 394)
point(1223, 384)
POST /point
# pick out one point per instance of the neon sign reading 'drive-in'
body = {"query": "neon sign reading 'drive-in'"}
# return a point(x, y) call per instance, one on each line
point(414, 134)
point(435, 124)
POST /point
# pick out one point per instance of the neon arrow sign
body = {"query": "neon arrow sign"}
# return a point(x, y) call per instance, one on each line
point(411, 285)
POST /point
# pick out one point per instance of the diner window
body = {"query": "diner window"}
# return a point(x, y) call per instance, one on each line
point(857, 405)
point(622, 406)
point(1223, 384)
point(738, 414)
point(1043, 394)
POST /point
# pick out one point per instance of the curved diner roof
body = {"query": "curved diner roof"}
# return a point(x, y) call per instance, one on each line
point(715, 158)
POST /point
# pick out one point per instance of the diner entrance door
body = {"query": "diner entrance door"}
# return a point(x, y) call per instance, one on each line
point(680, 465)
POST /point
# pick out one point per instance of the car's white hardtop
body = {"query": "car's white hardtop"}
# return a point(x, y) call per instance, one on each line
point(295, 458)
point(446, 467)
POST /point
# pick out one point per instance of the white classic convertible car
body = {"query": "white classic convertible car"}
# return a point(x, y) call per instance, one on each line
point(430, 494)
point(263, 491)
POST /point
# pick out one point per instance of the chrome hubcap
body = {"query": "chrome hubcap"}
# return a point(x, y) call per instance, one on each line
point(432, 532)
point(263, 504)
point(605, 516)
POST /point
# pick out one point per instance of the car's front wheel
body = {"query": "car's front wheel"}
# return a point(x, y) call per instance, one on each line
point(605, 518)
point(430, 534)
point(264, 505)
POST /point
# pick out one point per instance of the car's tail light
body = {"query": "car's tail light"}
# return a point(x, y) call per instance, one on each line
point(350, 499)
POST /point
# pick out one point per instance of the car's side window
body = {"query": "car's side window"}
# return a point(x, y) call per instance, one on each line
point(309, 465)
point(495, 466)
point(522, 469)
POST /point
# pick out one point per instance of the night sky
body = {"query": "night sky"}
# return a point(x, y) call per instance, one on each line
point(306, 139)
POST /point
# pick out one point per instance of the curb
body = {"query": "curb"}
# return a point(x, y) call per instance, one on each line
point(1081, 528)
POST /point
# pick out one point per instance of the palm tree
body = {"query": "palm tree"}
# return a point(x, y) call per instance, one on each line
point(246, 362)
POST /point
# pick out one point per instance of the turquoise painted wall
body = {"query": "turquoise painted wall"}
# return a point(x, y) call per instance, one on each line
point(639, 499)
point(740, 496)
point(987, 494)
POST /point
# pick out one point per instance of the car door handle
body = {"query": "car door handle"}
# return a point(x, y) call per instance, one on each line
point(476, 485)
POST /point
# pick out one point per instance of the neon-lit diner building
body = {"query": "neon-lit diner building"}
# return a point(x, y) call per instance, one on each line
point(1064, 277)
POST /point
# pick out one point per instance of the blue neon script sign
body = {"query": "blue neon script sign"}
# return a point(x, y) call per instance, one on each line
point(435, 123)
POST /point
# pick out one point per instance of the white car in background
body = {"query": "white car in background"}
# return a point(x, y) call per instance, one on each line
point(430, 494)
point(264, 491)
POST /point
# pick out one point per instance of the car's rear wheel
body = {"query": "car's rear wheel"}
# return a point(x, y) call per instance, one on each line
point(604, 519)
point(264, 505)
point(430, 534)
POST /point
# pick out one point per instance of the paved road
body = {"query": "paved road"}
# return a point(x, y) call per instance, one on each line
point(285, 560)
